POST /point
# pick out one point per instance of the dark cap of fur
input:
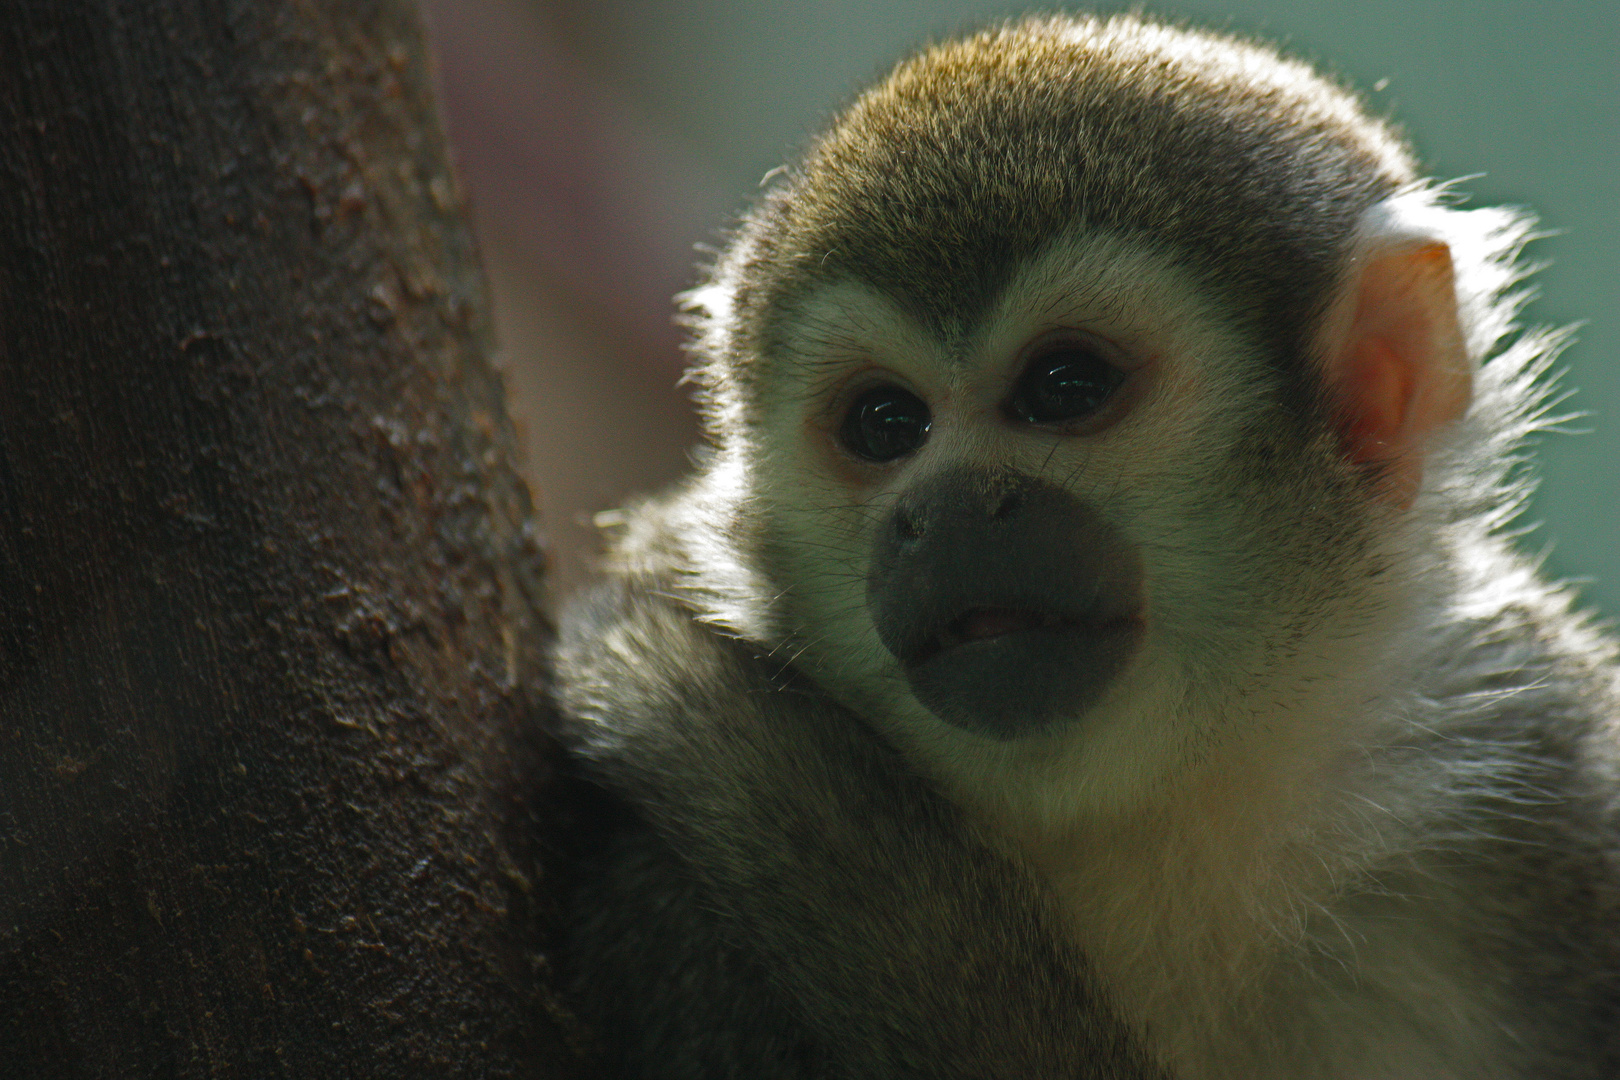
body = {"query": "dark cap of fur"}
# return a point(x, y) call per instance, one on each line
point(1247, 168)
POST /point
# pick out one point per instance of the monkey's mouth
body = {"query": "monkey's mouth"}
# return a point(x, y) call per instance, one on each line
point(1008, 670)
point(1010, 605)
point(984, 623)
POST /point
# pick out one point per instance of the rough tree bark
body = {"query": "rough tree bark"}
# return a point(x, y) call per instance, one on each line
point(270, 638)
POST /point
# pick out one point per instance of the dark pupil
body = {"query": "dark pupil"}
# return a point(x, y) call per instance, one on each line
point(1065, 386)
point(885, 423)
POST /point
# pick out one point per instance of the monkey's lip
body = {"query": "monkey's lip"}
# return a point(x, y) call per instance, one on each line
point(986, 623)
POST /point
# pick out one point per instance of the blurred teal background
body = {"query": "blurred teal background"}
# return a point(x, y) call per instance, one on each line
point(602, 139)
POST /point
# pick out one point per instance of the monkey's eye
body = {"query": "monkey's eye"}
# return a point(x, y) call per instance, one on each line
point(885, 423)
point(1067, 382)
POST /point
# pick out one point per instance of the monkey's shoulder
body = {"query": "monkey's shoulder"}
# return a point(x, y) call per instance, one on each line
point(769, 890)
point(639, 677)
point(652, 955)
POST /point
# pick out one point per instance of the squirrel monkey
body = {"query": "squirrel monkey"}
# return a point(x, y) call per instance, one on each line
point(1089, 646)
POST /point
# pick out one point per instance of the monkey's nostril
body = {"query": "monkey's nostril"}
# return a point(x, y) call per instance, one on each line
point(1008, 505)
point(907, 526)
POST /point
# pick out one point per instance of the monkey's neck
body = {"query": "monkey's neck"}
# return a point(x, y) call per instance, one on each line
point(1184, 905)
point(1215, 913)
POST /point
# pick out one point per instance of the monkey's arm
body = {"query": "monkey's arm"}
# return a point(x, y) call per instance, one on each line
point(788, 900)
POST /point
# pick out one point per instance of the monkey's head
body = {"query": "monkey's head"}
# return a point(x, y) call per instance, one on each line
point(1076, 400)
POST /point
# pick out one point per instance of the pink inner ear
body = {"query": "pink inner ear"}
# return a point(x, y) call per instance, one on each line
point(1375, 390)
point(1398, 365)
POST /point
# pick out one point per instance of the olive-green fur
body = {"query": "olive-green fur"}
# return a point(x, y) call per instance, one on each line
point(1248, 169)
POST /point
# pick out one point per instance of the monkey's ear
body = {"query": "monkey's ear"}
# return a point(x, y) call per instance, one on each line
point(1395, 358)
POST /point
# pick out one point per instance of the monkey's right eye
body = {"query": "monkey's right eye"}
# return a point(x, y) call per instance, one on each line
point(885, 423)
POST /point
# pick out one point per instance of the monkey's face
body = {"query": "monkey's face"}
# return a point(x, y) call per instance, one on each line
point(1071, 396)
point(1071, 524)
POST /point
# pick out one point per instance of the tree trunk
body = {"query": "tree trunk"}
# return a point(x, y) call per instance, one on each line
point(270, 630)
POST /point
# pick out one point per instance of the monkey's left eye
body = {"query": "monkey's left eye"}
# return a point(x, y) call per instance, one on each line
point(1066, 382)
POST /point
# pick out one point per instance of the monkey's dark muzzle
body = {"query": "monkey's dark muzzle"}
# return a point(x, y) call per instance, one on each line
point(1010, 604)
